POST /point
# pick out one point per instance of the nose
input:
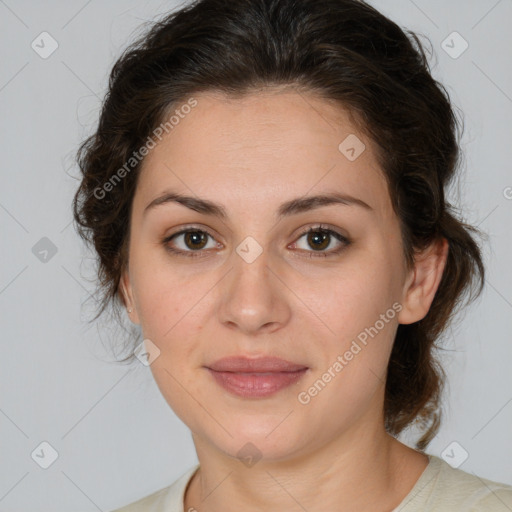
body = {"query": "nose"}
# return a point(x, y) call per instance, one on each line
point(254, 297)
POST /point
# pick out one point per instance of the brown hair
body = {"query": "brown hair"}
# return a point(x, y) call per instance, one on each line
point(341, 50)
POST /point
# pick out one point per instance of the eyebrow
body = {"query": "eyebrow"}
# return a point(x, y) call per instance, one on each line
point(292, 207)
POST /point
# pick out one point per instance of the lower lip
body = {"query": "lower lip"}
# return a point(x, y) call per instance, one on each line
point(256, 385)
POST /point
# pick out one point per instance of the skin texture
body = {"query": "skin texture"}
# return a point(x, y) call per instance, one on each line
point(252, 154)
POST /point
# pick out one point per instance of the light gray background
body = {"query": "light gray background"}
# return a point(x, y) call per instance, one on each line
point(117, 439)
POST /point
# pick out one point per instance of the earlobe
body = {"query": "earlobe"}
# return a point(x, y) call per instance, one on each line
point(123, 289)
point(127, 297)
point(423, 282)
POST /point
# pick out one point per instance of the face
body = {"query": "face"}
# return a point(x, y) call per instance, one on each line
point(254, 282)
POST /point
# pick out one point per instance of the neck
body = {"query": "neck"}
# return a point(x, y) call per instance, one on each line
point(365, 469)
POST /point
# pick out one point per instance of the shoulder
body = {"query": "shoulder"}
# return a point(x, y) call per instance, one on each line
point(168, 499)
point(444, 488)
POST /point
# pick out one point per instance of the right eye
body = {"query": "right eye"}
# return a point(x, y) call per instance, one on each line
point(190, 242)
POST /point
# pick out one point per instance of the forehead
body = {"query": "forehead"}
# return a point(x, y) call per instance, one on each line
point(264, 145)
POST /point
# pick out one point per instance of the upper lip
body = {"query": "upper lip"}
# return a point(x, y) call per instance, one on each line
point(254, 365)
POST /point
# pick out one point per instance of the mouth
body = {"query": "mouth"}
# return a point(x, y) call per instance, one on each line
point(255, 378)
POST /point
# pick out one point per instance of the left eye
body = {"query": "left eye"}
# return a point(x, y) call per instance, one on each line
point(321, 239)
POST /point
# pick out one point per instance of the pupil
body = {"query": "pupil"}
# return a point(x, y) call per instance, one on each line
point(319, 237)
point(195, 237)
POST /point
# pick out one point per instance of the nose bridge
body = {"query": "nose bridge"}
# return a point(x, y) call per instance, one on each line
point(251, 274)
point(253, 297)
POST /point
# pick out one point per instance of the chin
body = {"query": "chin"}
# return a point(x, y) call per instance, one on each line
point(258, 440)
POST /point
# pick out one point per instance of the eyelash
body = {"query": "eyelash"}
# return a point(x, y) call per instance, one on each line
point(314, 254)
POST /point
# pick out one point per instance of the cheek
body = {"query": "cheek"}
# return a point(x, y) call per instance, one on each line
point(170, 313)
point(162, 294)
point(168, 306)
point(173, 310)
point(353, 296)
point(358, 306)
point(360, 311)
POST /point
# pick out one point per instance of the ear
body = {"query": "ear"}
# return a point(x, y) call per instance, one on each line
point(423, 281)
point(126, 293)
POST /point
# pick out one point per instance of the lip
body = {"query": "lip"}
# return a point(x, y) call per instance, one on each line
point(254, 365)
point(255, 377)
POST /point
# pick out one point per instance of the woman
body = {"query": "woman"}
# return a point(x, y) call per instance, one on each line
point(265, 192)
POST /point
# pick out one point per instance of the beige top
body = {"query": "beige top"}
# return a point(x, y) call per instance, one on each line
point(440, 488)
